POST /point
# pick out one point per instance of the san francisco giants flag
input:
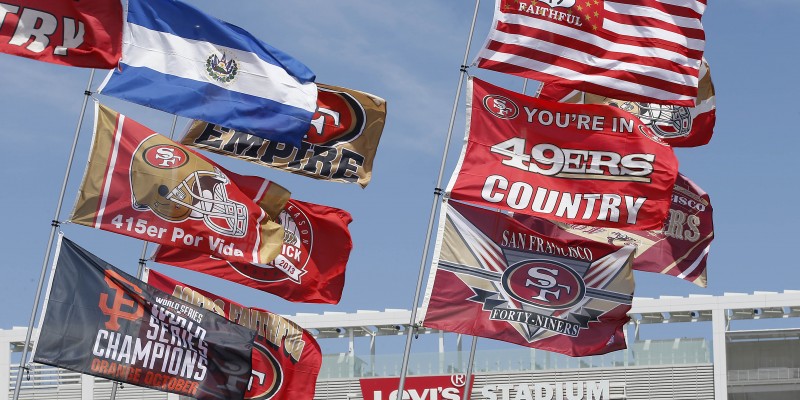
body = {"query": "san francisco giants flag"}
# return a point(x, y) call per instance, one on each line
point(678, 126)
point(286, 358)
point(496, 278)
point(141, 184)
point(679, 249)
point(100, 321)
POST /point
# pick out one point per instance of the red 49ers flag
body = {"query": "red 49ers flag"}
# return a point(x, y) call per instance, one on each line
point(310, 267)
point(141, 184)
point(494, 277)
point(85, 33)
point(583, 164)
point(286, 358)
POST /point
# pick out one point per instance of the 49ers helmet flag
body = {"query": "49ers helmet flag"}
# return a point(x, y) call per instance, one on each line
point(497, 278)
point(141, 184)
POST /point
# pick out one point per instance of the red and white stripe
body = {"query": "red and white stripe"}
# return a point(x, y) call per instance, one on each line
point(645, 50)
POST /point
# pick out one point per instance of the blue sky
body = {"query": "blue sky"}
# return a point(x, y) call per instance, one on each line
point(409, 53)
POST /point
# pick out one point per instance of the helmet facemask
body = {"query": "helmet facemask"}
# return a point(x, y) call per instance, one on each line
point(665, 120)
point(204, 193)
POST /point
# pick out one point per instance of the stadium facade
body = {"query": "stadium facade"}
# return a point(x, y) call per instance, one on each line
point(719, 363)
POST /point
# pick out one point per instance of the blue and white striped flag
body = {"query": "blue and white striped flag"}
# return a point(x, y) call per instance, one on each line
point(177, 59)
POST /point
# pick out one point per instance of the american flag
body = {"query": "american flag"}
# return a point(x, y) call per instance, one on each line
point(638, 50)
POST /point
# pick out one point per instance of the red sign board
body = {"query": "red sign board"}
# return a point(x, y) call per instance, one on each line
point(439, 387)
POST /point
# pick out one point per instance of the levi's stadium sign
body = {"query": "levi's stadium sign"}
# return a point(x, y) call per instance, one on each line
point(440, 387)
point(451, 387)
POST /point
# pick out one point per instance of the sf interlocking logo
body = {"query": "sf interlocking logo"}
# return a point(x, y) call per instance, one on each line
point(133, 311)
point(501, 106)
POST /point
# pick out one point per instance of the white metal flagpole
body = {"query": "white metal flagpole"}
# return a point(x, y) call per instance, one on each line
point(55, 223)
point(436, 198)
point(468, 385)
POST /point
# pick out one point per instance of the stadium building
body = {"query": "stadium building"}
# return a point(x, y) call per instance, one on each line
point(719, 362)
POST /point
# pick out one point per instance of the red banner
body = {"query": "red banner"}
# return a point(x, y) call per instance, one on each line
point(440, 387)
point(141, 184)
point(86, 33)
point(678, 126)
point(286, 358)
point(584, 164)
point(311, 265)
point(679, 249)
point(497, 278)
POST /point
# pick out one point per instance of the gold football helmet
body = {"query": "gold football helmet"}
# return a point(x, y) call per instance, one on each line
point(177, 185)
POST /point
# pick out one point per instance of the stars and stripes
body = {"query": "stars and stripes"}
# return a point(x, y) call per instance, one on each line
point(639, 50)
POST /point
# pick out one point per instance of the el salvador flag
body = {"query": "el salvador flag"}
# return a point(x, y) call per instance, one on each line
point(177, 59)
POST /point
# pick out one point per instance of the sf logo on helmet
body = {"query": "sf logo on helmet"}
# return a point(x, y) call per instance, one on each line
point(132, 310)
point(501, 106)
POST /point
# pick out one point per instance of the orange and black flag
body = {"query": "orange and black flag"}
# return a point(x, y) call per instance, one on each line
point(100, 321)
point(141, 184)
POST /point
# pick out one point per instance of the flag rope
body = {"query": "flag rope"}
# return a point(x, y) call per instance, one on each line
point(54, 227)
point(436, 198)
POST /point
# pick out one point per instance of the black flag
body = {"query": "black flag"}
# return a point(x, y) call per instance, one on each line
point(101, 321)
